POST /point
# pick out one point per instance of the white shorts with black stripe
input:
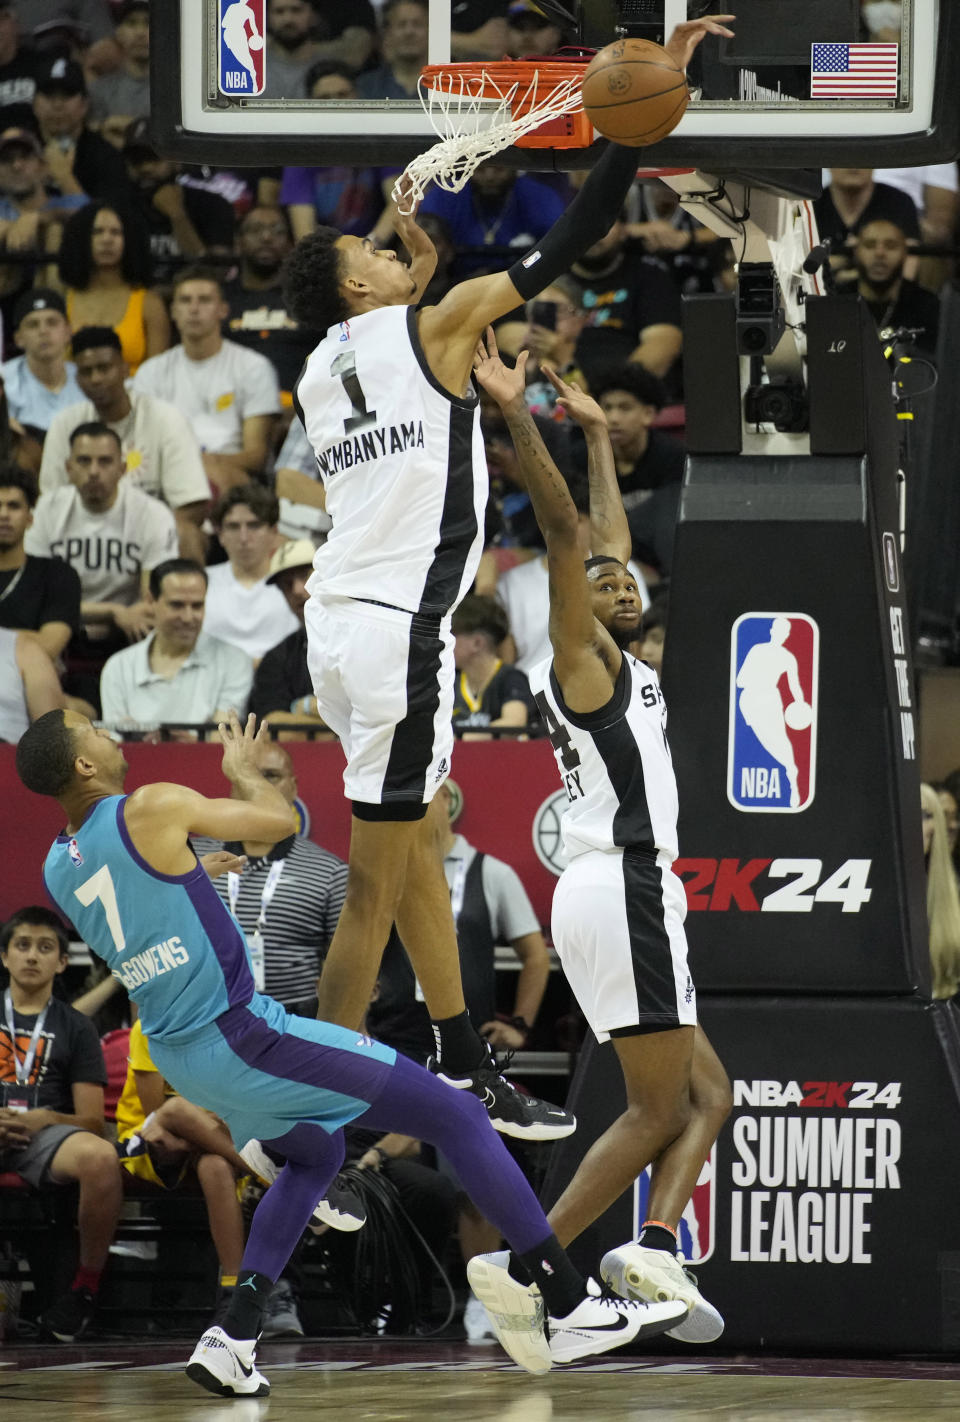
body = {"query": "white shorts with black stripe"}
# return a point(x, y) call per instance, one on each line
point(618, 929)
point(383, 679)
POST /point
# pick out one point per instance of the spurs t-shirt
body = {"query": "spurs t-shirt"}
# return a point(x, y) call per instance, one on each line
point(68, 1050)
point(108, 550)
point(217, 394)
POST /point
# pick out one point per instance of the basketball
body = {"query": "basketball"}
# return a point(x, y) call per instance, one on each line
point(633, 92)
point(798, 715)
point(256, 41)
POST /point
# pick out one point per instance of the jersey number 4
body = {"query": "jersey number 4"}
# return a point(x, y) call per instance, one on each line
point(101, 886)
point(558, 733)
point(345, 366)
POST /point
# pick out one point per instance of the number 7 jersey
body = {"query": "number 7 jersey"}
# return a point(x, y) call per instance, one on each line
point(402, 464)
point(615, 764)
point(168, 938)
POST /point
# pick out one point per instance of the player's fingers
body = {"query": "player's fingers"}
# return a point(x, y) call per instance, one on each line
point(521, 362)
point(492, 343)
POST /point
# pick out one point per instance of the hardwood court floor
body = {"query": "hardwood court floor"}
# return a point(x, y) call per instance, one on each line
point(418, 1381)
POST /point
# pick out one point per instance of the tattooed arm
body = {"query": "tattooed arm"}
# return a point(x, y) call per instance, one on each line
point(586, 657)
point(609, 530)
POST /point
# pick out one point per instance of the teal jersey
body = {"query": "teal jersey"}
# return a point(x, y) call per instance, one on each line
point(168, 938)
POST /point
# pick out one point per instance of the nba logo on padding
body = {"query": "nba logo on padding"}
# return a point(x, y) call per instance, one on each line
point(771, 760)
point(242, 54)
point(695, 1236)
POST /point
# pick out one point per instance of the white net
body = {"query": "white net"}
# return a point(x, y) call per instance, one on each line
point(476, 114)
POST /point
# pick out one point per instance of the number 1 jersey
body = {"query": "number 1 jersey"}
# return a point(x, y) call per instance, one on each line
point(615, 764)
point(402, 464)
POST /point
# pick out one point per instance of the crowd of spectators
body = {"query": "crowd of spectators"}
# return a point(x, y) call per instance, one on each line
point(160, 507)
point(141, 304)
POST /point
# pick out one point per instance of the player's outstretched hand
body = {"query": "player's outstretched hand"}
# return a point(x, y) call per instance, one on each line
point(685, 38)
point(505, 385)
point(239, 746)
point(578, 404)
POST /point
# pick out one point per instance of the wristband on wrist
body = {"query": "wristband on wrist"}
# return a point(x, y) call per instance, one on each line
point(521, 1024)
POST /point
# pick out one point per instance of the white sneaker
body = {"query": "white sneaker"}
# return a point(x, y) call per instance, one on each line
point(516, 1311)
point(601, 1321)
point(225, 1366)
point(636, 1272)
point(476, 1321)
point(341, 1207)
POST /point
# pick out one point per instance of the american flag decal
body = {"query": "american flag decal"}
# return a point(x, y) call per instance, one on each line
point(854, 71)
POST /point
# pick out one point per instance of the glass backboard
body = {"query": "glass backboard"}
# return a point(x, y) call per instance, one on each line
point(805, 83)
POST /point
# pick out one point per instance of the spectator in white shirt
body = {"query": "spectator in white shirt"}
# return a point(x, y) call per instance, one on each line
point(113, 534)
point(229, 394)
point(179, 673)
point(160, 451)
point(242, 607)
point(28, 683)
point(42, 381)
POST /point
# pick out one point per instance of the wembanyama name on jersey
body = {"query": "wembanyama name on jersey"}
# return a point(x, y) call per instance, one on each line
point(402, 464)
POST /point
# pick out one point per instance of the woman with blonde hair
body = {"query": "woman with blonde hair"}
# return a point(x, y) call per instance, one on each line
point(943, 898)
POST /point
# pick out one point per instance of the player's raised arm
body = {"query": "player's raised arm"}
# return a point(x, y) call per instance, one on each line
point(420, 248)
point(574, 632)
point(470, 306)
point(160, 817)
point(609, 530)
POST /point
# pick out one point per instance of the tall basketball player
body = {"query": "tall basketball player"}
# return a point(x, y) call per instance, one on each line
point(123, 871)
point(618, 909)
point(390, 409)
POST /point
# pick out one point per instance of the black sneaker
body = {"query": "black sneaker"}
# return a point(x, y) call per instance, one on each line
point(511, 1112)
point(342, 1206)
point(69, 1316)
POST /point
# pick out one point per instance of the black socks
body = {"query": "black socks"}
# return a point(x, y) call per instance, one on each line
point(459, 1049)
point(547, 1266)
point(245, 1313)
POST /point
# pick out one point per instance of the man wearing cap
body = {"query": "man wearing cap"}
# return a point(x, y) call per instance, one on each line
point(32, 208)
point(42, 381)
point(183, 221)
point(79, 160)
point(126, 90)
point(160, 450)
point(282, 691)
point(92, 17)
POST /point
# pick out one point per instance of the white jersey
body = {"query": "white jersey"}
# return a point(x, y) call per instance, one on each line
point(402, 463)
point(615, 764)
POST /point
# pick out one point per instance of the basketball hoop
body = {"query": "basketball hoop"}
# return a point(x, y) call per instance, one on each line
point(479, 109)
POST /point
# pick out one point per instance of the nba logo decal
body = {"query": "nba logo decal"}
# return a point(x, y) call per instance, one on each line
point(76, 858)
point(696, 1232)
point(241, 52)
point(771, 760)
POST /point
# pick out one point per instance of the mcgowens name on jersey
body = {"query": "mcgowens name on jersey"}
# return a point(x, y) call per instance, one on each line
point(142, 967)
point(372, 444)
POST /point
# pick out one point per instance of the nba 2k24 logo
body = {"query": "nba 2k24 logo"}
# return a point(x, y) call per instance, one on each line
point(771, 758)
point(696, 1232)
point(242, 37)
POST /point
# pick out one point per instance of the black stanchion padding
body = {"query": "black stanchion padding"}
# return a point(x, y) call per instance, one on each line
point(833, 1227)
